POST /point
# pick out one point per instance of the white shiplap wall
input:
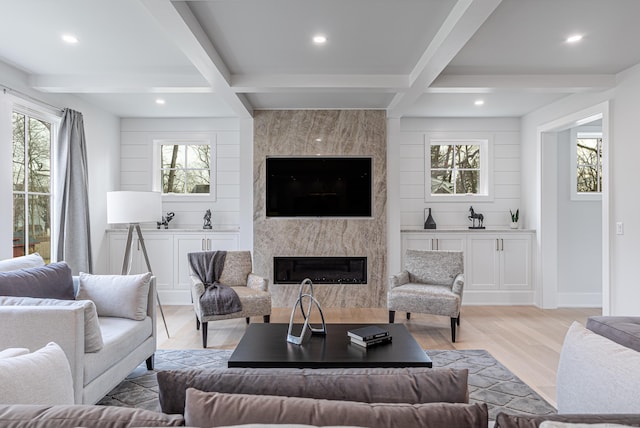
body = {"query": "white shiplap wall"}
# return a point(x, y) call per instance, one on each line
point(505, 133)
point(136, 160)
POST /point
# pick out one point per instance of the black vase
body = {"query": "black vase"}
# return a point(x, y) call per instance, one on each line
point(429, 223)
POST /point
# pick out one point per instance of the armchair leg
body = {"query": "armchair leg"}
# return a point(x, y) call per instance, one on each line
point(267, 319)
point(392, 316)
point(248, 320)
point(453, 330)
point(150, 362)
point(458, 320)
point(204, 334)
point(408, 315)
point(197, 323)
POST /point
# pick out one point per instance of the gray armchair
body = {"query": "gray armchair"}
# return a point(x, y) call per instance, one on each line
point(253, 291)
point(431, 283)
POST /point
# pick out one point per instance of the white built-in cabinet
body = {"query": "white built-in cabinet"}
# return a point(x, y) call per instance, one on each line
point(167, 251)
point(498, 264)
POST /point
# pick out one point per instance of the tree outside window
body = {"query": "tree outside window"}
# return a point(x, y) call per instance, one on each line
point(455, 169)
point(185, 168)
point(31, 186)
point(588, 163)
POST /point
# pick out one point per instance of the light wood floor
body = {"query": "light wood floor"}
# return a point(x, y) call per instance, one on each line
point(526, 339)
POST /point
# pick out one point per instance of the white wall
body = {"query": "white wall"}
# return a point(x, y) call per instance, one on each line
point(103, 158)
point(579, 237)
point(505, 133)
point(137, 137)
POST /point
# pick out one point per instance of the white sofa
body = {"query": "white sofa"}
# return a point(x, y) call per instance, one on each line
point(126, 342)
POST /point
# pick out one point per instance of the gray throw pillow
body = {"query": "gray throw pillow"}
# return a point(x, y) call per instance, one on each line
point(121, 296)
point(21, 262)
point(53, 281)
point(206, 409)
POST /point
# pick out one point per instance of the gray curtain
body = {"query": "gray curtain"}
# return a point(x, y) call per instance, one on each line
point(71, 199)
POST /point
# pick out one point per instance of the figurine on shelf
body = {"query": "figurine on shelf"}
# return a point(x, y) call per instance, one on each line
point(207, 220)
point(165, 220)
point(476, 216)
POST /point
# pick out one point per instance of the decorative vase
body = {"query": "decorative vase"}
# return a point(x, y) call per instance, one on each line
point(514, 225)
point(429, 223)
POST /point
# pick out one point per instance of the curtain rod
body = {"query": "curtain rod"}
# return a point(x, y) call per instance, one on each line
point(6, 89)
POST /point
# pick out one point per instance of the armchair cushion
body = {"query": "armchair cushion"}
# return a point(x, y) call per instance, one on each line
point(53, 281)
point(42, 377)
point(92, 335)
point(433, 267)
point(425, 299)
point(122, 296)
point(22, 262)
point(237, 267)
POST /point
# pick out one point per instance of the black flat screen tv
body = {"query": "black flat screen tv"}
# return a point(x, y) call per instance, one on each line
point(319, 186)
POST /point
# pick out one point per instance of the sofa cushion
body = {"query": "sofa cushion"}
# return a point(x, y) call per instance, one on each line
point(92, 335)
point(219, 409)
point(505, 420)
point(13, 352)
point(69, 416)
point(596, 375)
point(433, 267)
point(622, 330)
point(369, 385)
point(52, 281)
point(558, 424)
point(123, 296)
point(42, 377)
point(22, 262)
point(237, 267)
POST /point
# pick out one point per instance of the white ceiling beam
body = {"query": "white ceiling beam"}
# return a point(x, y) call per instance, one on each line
point(460, 25)
point(113, 83)
point(558, 83)
point(185, 31)
point(315, 82)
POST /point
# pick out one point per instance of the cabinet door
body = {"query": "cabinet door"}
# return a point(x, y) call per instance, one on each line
point(515, 262)
point(452, 242)
point(185, 244)
point(414, 241)
point(483, 262)
point(160, 251)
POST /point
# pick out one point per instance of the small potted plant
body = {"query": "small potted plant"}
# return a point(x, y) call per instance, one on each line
point(514, 218)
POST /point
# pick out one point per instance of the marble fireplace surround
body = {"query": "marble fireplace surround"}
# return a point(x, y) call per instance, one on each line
point(328, 133)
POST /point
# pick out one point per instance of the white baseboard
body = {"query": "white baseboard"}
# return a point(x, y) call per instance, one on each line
point(497, 297)
point(579, 300)
point(174, 297)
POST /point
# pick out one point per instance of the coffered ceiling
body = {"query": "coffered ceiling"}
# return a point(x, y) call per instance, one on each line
point(221, 58)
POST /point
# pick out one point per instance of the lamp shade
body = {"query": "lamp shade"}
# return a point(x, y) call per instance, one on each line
point(133, 207)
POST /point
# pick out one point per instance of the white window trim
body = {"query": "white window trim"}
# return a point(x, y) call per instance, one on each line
point(485, 141)
point(190, 197)
point(573, 179)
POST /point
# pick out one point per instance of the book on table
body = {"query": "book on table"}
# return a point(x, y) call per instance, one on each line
point(371, 342)
point(367, 333)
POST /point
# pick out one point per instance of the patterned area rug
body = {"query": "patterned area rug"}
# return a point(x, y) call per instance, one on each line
point(489, 381)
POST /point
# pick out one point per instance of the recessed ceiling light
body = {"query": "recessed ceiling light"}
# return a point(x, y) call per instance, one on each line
point(319, 39)
point(479, 102)
point(70, 38)
point(318, 140)
point(160, 101)
point(574, 39)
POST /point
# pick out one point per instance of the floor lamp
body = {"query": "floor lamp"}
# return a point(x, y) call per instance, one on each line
point(134, 208)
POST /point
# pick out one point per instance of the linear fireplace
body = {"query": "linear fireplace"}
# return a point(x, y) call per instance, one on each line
point(320, 270)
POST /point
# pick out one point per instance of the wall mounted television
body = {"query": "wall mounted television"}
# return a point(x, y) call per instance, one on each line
point(319, 186)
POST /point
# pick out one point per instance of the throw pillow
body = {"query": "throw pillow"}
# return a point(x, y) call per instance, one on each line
point(556, 424)
point(218, 409)
point(121, 296)
point(22, 262)
point(92, 334)
point(42, 377)
point(13, 352)
point(505, 420)
point(368, 385)
point(53, 281)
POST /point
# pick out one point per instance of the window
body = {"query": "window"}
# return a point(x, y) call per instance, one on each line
point(586, 181)
point(32, 142)
point(457, 169)
point(185, 168)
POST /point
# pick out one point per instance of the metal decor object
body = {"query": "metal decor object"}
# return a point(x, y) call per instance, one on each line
point(311, 301)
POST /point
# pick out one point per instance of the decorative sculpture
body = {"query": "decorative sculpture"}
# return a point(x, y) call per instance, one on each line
point(476, 216)
point(207, 220)
point(297, 340)
point(165, 220)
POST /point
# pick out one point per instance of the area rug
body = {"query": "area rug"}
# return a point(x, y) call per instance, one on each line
point(489, 381)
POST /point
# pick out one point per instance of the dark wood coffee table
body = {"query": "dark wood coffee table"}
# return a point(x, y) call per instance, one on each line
point(266, 346)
